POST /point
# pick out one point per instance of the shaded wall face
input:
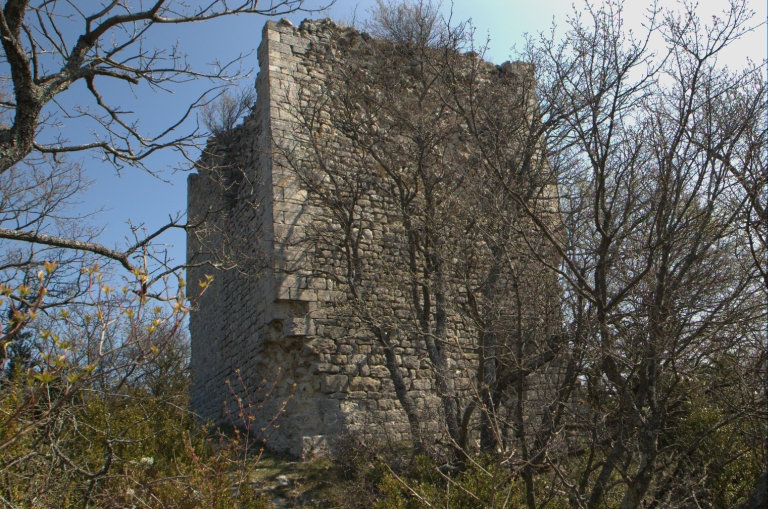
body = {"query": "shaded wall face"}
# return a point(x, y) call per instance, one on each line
point(227, 200)
point(279, 329)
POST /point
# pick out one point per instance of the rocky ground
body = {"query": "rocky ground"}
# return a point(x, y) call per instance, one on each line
point(290, 483)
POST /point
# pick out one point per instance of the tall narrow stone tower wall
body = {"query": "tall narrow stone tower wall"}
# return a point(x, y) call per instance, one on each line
point(269, 333)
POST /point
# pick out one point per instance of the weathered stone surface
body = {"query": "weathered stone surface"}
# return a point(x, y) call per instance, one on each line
point(335, 383)
point(287, 325)
point(319, 345)
point(364, 384)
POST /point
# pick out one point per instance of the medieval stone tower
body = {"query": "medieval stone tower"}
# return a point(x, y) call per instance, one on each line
point(274, 335)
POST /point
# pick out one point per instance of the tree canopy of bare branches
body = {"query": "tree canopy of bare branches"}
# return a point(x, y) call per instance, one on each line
point(43, 58)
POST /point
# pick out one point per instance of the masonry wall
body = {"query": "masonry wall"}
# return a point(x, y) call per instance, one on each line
point(259, 324)
point(271, 330)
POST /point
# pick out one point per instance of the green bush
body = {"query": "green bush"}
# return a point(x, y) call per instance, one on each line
point(371, 480)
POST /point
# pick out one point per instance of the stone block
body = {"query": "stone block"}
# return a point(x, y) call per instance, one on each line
point(335, 383)
point(410, 363)
point(335, 332)
point(318, 346)
point(294, 40)
point(318, 283)
point(303, 294)
point(328, 406)
point(359, 383)
point(387, 404)
point(297, 326)
point(421, 385)
point(271, 35)
point(379, 372)
point(350, 369)
point(324, 367)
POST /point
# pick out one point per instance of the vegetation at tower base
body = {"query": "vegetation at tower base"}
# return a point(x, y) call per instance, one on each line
point(556, 262)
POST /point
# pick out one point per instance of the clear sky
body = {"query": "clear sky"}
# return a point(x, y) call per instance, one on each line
point(141, 198)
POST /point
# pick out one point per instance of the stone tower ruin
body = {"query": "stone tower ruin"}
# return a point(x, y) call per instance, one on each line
point(273, 328)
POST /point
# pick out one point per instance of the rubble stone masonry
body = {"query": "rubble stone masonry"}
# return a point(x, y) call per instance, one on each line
point(273, 331)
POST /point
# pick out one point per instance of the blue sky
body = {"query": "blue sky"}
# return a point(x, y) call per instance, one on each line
point(142, 198)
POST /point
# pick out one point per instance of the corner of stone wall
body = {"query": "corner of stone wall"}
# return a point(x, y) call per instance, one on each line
point(291, 296)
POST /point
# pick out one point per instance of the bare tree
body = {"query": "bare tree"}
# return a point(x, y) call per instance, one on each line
point(600, 166)
point(83, 323)
point(221, 116)
point(43, 59)
point(109, 46)
point(658, 284)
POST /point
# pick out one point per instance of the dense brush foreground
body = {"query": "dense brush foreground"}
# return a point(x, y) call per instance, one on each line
point(132, 442)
